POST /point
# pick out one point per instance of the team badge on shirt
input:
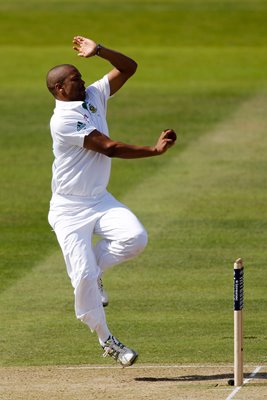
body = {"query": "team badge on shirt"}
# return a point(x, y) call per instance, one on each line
point(80, 126)
point(89, 107)
point(92, 108)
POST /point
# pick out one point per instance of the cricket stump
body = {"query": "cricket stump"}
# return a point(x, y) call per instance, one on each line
point(238, 321)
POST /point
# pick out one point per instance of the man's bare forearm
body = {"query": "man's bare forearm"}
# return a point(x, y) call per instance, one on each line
point(101, 143)
point(120, 61)
point(127, 151)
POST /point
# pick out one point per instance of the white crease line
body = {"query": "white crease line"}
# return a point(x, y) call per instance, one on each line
point(252, 375)
point(236, 390)
point(148, 366)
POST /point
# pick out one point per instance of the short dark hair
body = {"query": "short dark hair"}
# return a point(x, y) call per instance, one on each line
point(56, 75)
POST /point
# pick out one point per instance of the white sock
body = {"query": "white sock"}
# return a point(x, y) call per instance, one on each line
point(102, 342)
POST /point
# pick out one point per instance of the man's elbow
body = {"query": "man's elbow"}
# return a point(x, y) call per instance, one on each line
point(134, 67)
point(131, 69)
point(109, 149)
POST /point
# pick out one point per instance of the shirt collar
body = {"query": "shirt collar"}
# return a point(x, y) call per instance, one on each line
point(68, 105)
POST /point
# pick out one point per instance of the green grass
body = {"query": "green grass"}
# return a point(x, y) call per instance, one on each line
point(201, 71)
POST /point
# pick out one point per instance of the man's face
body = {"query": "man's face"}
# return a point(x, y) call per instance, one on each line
point(73, 88)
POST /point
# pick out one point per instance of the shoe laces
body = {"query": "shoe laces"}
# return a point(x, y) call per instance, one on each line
point(113, 347)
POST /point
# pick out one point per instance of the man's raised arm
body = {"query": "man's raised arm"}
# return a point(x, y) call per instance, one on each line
point(125, 67)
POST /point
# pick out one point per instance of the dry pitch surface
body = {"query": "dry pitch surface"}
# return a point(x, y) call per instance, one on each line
point(192, 382)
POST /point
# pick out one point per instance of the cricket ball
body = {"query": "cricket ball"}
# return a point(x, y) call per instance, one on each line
point(231, 382)
point(171, 134)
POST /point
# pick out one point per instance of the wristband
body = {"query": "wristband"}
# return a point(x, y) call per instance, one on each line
point(98, 48)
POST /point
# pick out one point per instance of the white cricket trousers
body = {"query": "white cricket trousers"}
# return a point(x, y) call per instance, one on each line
point(122, 236)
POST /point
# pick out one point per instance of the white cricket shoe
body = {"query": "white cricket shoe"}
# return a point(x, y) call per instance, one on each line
point(122, 354)
point(104, 295)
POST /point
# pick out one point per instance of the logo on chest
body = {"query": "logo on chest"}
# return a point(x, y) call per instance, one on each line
point(90, 107)
point(80, 126)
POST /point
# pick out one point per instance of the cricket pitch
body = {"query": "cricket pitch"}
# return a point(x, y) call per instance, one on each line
point(154, 382)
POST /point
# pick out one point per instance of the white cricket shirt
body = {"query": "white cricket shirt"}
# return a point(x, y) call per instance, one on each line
point(76, 170)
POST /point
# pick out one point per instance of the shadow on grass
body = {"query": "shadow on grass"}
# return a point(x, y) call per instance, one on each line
point(190, 378)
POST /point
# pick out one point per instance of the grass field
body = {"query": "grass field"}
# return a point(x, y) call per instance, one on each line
point(202, 71)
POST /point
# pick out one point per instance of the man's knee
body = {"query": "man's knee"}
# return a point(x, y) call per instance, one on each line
point(137, 243)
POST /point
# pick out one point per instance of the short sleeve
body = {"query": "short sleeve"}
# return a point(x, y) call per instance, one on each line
point(71, 133)
point(101, 88)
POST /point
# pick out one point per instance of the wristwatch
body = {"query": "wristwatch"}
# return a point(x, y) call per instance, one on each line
point(98, 48)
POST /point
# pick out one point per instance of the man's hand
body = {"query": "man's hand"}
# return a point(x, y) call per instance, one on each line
point(166, 140)
point(85, 47)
